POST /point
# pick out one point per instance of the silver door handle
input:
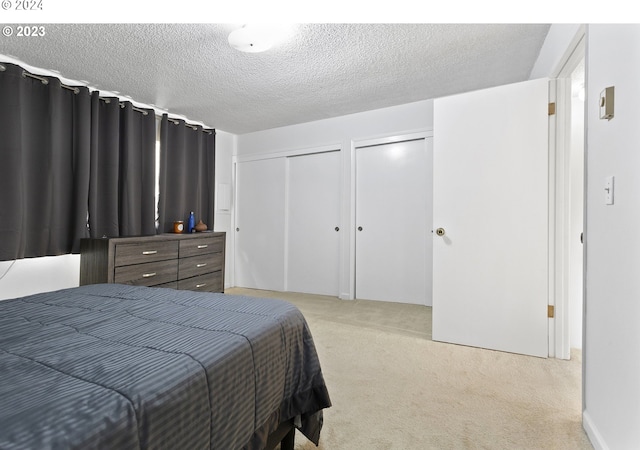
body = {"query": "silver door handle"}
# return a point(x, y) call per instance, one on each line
point(440, 231)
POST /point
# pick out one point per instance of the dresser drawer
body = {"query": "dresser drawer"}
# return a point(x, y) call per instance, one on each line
point(158, 261)
point(199, 265)
point(147, 274)
point(210, 282)
point(199, 246)
point(146, 251)
point(172, 285)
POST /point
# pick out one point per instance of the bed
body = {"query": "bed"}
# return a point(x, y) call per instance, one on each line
point(130, 367)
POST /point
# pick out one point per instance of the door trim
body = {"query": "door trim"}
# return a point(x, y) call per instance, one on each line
point(360, 143)
point(289, 152)
point(559, 184)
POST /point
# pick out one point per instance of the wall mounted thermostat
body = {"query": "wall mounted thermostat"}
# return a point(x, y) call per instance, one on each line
point(606, 103)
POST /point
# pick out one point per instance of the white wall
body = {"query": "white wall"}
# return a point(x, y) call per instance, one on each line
point(559, 41)
point(225, 149)
point(34, 275)
point(370, 124)
point(339, 132)
point(611, 353)
point(612, 346)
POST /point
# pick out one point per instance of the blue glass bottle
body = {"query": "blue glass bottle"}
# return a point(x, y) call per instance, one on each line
point(192, 223)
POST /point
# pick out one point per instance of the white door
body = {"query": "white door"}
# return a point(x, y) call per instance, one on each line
point(260, 187)
point(313, 223)
point(490, 269)
point(393, 220)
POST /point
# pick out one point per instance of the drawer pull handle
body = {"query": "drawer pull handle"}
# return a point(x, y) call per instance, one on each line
point(201, 265)
point(201, 285)
point(150, 252)
point(148, 275)
point(203, 246)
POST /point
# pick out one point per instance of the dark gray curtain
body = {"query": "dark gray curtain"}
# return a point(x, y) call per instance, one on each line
point(44, 169)
point(123, 158)
point(187, 174)
point(137, 171)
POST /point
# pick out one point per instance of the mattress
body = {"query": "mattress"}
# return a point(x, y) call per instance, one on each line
point(128, 367)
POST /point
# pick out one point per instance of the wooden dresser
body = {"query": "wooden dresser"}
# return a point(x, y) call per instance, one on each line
point(179, 261)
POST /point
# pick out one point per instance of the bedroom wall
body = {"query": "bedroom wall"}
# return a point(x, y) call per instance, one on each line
point(611, 353)
point(34, 275)
point(559, 40)
point(370, 124)
point(225, 149)
point(339, 131)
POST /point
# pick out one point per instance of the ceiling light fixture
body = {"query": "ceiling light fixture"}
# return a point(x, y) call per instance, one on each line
point(255, 38)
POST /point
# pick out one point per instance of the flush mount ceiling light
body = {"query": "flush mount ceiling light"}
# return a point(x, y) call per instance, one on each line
point(255, 38)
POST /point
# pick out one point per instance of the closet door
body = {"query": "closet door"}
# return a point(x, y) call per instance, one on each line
point(260, 205)
point(313, 223)
point(393, 222)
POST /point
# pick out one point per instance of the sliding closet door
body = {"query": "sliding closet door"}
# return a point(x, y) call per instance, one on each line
point(313, 223)
point(260, 203)
point(393, 222)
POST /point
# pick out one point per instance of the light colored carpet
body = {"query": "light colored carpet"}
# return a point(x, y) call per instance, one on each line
point(392, 387)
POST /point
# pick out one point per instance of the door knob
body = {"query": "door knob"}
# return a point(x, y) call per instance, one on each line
point(337, 228)
point(440, 231)
point(237, 229)
point(359, 228)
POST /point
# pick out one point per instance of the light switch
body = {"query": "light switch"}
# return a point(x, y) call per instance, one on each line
point(608, 190)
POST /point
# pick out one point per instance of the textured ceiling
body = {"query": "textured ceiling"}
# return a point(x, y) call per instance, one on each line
point(324, 70)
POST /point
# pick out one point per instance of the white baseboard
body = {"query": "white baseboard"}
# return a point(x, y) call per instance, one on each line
point(592, 432)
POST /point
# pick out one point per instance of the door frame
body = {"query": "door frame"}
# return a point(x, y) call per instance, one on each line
point(359, 143)
point(560, 200)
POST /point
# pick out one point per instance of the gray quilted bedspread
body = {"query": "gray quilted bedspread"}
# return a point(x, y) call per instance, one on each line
point(124, 367)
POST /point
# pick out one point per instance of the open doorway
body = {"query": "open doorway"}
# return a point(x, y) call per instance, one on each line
point(569, 206)
point(576, 269)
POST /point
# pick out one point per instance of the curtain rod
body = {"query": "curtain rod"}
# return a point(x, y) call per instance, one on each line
point(76, 90)
point(107, 101)
point(193, 127)
point(25, 74)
